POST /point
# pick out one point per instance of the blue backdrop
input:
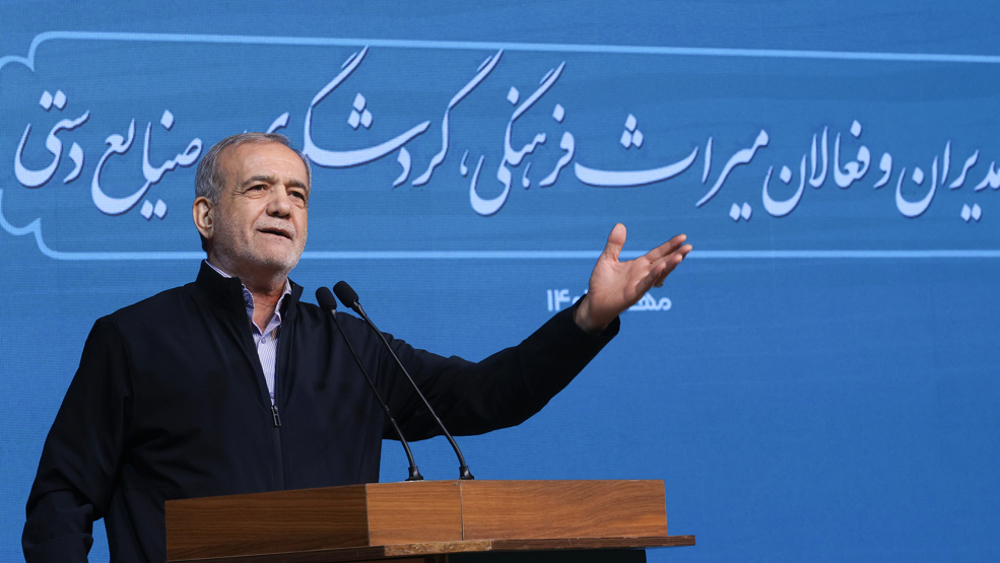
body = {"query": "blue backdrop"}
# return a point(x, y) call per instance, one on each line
point(815, 382)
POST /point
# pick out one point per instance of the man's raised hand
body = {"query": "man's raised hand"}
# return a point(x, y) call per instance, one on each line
point(616, 286)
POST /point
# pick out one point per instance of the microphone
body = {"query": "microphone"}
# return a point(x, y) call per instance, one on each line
point(348, 297)
point(327, 302)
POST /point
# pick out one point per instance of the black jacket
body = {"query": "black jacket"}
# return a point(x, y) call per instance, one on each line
point(170, 402)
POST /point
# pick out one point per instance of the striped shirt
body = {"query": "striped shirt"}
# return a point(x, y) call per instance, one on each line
point(265, 340)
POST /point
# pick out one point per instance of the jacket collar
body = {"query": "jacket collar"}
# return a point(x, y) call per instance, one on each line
point(227, 293)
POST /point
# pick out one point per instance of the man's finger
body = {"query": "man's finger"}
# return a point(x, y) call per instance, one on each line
point(666, 248)
point(616, 240)
point(656, 275)
point(675, 256)
point(662, 277)
point(671, 261)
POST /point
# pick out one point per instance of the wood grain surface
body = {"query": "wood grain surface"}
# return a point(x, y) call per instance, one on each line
point(562, 509)
point(431, 518)
point(282, 521)
point(414, 512)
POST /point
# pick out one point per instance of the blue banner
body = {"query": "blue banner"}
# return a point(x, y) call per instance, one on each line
point(815, 381)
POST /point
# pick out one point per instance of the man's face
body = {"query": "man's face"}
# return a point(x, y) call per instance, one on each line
point(261, 219)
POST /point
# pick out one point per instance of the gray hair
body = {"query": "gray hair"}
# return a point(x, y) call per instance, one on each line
point(209, 181)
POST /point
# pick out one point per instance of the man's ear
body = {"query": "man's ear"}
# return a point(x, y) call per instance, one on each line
point(202, 212)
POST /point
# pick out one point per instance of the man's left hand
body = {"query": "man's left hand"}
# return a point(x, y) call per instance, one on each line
point(616, 286)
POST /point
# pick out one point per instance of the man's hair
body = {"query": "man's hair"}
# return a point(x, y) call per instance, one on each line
point(209, 181)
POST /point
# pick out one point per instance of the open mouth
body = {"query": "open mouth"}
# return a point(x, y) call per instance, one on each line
point(276, 231)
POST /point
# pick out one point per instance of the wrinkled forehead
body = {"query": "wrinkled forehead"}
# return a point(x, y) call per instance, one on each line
point(262, 159)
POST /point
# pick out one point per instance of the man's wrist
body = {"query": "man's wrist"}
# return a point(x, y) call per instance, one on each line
point(583, 317)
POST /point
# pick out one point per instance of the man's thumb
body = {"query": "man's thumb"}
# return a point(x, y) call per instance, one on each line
point(616, 240)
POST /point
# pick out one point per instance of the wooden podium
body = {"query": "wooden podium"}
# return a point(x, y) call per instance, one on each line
point(432, 521)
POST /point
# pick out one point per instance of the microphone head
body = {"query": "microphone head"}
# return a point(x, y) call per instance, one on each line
point(325, 299)
point(346, 295)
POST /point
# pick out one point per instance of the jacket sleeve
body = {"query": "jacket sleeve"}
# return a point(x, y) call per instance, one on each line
point(79, 461)
point(502, 390)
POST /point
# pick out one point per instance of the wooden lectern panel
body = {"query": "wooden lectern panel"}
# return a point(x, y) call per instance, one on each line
point(310, 519)
point(392, 520)
point(414, 512)
point(267, 523)
point(502, 510)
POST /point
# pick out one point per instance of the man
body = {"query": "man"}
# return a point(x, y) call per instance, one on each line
point(232, 385)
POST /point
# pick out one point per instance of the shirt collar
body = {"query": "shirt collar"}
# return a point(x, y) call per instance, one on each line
point(248, 297)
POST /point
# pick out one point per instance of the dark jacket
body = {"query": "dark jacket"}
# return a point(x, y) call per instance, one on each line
point(170, 402)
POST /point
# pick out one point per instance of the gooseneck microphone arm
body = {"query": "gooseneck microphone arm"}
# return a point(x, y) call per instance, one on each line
point(327, 302)
point(349, 298)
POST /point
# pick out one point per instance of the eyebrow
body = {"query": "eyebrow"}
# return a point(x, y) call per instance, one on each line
point(272, 180)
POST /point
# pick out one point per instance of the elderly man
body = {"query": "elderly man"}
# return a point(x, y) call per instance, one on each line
point(230, 384)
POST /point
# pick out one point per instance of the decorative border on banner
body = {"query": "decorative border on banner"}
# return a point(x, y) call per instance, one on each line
point(35, 226)
point(494, 45)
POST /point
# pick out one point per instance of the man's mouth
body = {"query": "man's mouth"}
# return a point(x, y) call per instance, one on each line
point(276, 231)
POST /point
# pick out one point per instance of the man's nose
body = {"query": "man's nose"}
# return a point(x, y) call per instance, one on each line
point(280, 204)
